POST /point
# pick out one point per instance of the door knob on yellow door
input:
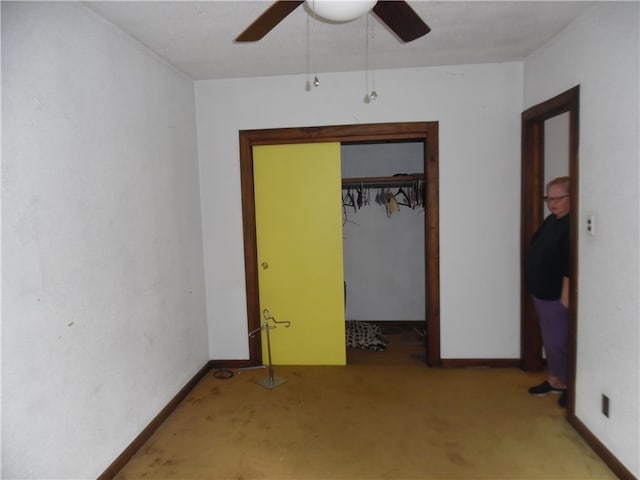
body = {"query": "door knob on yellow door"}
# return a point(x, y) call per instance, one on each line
point(264, 265)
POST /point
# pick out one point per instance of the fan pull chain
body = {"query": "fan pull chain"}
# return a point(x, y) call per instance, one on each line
point(307, 86)
point(373, 95)
point(316, 82)
point(368, 96)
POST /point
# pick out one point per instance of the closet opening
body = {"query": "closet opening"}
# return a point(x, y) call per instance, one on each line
point(420, 135)
point(383, 217)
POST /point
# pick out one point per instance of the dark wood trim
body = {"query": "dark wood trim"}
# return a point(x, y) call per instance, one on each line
point(230, 364)
point(564, 102)
point(396, 323)
point(364, 133)
point(432, 240)
point(119, 463)
point(573, 106)
point(377, 182)
point(532, 188)
point(603, 452)
point(247, 141)
point(480, 362)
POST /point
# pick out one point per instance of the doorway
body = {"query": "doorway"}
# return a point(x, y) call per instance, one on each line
point(383, 250)
point(426, 132)
point(532, 213)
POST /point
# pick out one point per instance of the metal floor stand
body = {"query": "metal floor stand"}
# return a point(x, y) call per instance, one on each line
point(271, 381)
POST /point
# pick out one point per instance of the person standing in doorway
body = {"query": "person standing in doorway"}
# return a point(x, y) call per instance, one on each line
point(547, 280)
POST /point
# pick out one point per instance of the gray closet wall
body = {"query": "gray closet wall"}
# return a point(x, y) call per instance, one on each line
point(384, 255)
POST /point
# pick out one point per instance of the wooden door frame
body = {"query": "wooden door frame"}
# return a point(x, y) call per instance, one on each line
point(532, 213)
point(380, 132)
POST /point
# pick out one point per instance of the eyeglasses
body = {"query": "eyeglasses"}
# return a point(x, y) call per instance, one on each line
point(555, 199)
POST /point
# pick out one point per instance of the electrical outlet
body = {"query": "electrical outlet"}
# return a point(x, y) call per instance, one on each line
point(605, 405)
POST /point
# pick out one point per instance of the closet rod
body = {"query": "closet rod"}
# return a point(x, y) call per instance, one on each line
point(382, 182)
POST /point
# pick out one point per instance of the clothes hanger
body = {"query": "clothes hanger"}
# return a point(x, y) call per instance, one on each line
point(348, 200)
point(406, 198)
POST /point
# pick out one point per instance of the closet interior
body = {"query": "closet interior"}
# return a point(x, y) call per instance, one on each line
point(384, 251)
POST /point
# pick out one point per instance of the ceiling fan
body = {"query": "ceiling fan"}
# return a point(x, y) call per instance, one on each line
point(396, 14)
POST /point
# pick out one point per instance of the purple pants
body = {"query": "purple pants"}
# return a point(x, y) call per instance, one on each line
point(553, 318)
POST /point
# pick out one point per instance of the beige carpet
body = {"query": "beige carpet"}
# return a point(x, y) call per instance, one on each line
point(368, 422)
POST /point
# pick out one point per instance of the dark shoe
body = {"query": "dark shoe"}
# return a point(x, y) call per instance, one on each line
point(562, 401)
point(545, 388)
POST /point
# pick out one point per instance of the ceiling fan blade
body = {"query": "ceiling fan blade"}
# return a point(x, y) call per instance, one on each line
point(401, 19)
point(269, 19)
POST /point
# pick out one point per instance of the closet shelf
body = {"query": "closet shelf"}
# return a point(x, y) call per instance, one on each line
point(382, 182)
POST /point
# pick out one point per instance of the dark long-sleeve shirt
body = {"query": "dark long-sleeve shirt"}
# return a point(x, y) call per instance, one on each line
point(547, 260)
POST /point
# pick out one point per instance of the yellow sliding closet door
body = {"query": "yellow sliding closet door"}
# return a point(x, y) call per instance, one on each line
point(299, 239)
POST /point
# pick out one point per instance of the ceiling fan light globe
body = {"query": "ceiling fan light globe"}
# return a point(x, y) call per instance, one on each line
point(340, 10)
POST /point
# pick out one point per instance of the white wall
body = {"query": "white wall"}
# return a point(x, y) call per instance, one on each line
point(103, 316)
point(478, 108)
point(600, 52)
point(384, 267)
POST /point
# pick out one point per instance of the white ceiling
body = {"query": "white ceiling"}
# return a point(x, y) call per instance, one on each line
point(197, 36)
